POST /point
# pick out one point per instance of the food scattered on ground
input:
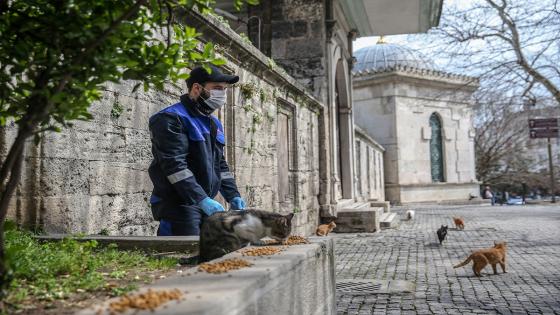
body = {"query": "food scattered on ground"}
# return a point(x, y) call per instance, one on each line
point(224, 265)
point(144, 301)
point(296, 240)
point(292, 240)
point(261, 251)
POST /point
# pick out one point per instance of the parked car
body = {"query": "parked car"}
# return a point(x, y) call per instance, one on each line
point(515, 201)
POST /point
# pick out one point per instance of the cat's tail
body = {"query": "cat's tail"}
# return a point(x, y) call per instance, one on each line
point(464, 262)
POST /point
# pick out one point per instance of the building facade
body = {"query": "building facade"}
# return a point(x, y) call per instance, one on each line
point(423, 119)
point(291, 141)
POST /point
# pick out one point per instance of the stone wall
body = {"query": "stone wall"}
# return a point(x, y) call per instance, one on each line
point(299, 280)
point(368, 168)
point(93, 177)
point(312, 40)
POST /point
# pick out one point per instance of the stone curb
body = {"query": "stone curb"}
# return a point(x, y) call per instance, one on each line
point(298, 280)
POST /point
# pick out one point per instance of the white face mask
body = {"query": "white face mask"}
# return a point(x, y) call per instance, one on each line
point(217, 99)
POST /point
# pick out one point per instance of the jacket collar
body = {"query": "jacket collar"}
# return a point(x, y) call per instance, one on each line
point(190, 106)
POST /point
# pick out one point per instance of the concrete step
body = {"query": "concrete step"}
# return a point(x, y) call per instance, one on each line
point(389, 221)
point(356, 205)
point(358, 220)
point(385, 204)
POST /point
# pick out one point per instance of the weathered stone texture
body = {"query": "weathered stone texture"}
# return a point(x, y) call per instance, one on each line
point(395, 107)
point(369, 168)
point(298, 41)
point(94, 176)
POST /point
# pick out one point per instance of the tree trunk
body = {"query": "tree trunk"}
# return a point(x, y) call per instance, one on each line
point(7, 192)
point(11, 166)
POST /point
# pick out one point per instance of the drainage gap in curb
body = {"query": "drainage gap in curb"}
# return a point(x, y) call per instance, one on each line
point(370, 287)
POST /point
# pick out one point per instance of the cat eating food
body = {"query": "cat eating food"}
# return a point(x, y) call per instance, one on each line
point(325, 229)
point(481, 258)
point(442, 233)
point(225, 232)
point(459, 223)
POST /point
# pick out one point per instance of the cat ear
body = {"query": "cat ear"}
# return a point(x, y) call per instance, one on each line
point(289, 216)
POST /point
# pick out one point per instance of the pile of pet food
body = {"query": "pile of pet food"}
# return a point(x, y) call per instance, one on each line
point(296, 240)
point(224, 265)
point(261, 251)
point(144, 301)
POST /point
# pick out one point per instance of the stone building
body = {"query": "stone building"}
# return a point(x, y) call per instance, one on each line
point(312, 40)
point(290, 150)
point(423, 119)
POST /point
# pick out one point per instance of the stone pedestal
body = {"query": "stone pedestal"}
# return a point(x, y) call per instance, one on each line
point(358, 220)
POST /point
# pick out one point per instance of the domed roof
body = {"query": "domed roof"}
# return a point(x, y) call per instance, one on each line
point(382, 56)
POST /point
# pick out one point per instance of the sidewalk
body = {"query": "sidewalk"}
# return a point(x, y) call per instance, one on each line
point(411, 253)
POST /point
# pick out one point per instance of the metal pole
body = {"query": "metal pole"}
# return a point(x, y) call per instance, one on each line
point(550, 166)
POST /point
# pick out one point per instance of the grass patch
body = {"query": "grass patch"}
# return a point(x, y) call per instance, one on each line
point(56, 270)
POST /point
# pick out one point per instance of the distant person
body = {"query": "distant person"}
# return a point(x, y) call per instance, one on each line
point(488, 194)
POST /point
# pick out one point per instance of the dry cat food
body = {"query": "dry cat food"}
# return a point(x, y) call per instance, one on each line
point(144, 301)
point(261, 251)
point(224, 265)
point(295, 240)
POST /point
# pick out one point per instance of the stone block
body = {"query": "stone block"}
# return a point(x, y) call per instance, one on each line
point(138, 146)
point(385, 204)
point(298, 280)
point(389, 220)
point(89, 142)
point(303, 10)
point(118, 178)
point(299, 28)
point(64, 177)
point(281, 29)
point(358, 220)
point(305, 48)
point(65, 213)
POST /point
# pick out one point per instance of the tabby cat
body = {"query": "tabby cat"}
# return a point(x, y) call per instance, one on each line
point(225, 232)
point(481, 258)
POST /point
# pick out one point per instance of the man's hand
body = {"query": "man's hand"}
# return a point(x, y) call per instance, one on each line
point(210, 206)
point(237, 203)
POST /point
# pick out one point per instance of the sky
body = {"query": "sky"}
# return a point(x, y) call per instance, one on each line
point(420, 42)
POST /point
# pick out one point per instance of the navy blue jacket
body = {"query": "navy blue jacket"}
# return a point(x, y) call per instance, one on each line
point(186, 168)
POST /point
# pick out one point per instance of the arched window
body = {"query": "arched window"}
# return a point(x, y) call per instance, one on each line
point(436, 149)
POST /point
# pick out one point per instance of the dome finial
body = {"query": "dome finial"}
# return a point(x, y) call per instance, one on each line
point(381, 40)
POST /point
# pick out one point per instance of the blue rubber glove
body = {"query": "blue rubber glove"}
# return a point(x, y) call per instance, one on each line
point(210, 206)
point(237, 203)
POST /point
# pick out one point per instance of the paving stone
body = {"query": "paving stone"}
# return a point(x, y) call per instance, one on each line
point(411, 253)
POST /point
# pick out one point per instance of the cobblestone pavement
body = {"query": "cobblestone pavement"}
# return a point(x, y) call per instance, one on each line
point(412, 253)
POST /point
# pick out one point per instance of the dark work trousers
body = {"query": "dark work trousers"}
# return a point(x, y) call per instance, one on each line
point(185, 221)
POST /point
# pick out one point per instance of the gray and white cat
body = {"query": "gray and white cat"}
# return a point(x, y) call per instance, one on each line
point(225, 232)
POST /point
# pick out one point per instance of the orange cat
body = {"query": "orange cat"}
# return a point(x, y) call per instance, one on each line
point(483, 257)
point(459, 223)
point(325, 229)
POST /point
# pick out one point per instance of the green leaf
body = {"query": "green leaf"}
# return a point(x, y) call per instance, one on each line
point(219, 62)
